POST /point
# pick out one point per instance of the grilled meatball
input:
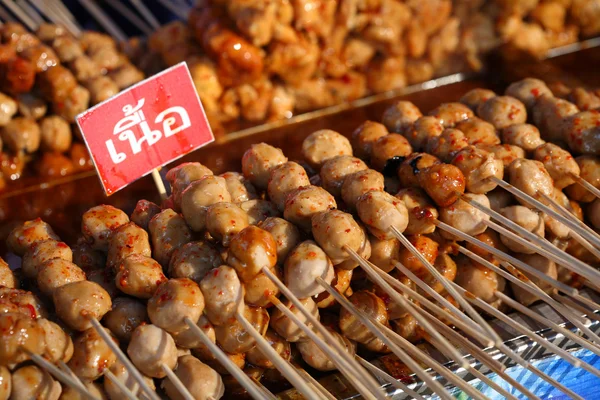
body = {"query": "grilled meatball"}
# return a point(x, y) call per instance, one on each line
point(531, 177)
point(389, 147)
point(126, 240)
point(334, 231)
point(150, 348)
point(464, 217)
point(384, 253)
point(474, 97)
point(202, 382)
point(55, 134)
point(21, 135)
point(188, 339)
point(56, 83)
point(259, 210)
point(250, 251)
point(446, 266)
point(21, 301)
point(301, 204)
point(258, 161)
point(175, 301)
point(369, 304)
point(584, 100)
point(223, 294)
point(285, 327)
point(126, 315)
point(590, 171)
point(421, 212)
point(525, 136)
point(233, 338)
point(526, 218)
point(24, 236)
point(122, 375)
point(503, 111)
point(364, 136)
point(528, 90)
point(323, 145)
point(67, 48)
point(91, 356)
point(30, 106)
point(182, 175)
point(550, 115)
point(41, 252)
point(442, 182)
point(445, 146)
point(98, 224)
point(478, 132)
point(542, 264)
point(199, 195)
point(380, 211)
point(429, 248)
point(359, 183)
point(139, 276)
point(126, 75)
point(82, 254)
point(423, 130)
point(507, 153)
point(400, 116)
point(314, 357)
point(75, 101)
point(304, 264)
point(581, 132)
point(261, 288)
point(480, 281)
point(42, 57)
point(225, 220)
point(168, 232)
point(239, 187)
point(286, 235)
point(412, 166)
point(56, 273)
point(20, 335)
point(76, 302)
point(7, 278)
point(143, 212)
point(193, 260)
point(8, 108)
point(500, 198)
point(559, 163)
point(450, 114)
point(19, 75)
point(257, 358)
point(335, 170)
point(478, 166)
point(101, 88)
point(31, 382)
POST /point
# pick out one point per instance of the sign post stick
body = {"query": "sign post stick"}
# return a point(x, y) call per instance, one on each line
point(160, 185)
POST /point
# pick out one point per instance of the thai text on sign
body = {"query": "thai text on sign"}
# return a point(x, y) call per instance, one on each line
point(145, 127)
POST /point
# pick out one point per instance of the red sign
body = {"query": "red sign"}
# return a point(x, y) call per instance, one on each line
point(145, 127)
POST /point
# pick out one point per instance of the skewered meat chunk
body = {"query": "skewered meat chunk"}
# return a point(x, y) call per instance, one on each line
point(250, 251)
point(76, 101)
point(364, 136)
point(187, 339)
point(528, 90)
point(239, 188)
point(234, 339)
point(193, 260)
point(150, 348)
point(478, 166)
point(288, 329)
point(85, 69)
point(59, 344)
point(551, 116)
point(389, 147)
point(282, 346)
point(473, 98)
point(8, 108)
point(91, 355)
point(559, 163)
point(542, 264)
point(223, 294)
point(421, 211)
point(503, 111)
point(399, 117)
point(18, 76)
point(359, 183)
point(21, 135)
point(126, 315)
point(478, 132)
point(56, 273)
point(464, 217)
point(199, 379)
point(335, 170)
point(41, 252)
point(584, 99)
point(258, 161)
point(446, 266)
point(31, 106)
point(32, 382)
point(424, 129)
point(123, 376)
point(442, 182)
point(531, 177)
point(20, 336)
point(47, 32)
point(42, 57)
point(21, 301)
point(480, 281)
point(5, 383)
point(77, 302)
point(259, 210)
point(412, 166)
point(225, 220)
point(139, 276)
point(286, 235)
point(55, 134)
point(67, 48)
point(581, 132)
point(315, 357)
point(335, 231)
point(428, 247)
point(143, 212)
point(182, 175)
point(446, 145)
point(29, 233)
point(175, 301)
point(56, 83)
point(381, 211)
point(126, 240)
point(506, 152)
point(384, 253)
point(450, 114)
point(589, 171)
point(101, 88)
point(201, 194)
point(7, 278)
point(527, 219)
point(525, 136)
point(99, 223)
point(168, 232)
point(323, 145)
point(304, 264)
point(369, 304)
point(261, 288)
point(305, 202)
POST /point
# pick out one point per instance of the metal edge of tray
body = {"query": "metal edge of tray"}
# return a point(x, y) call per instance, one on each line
point(337, 384)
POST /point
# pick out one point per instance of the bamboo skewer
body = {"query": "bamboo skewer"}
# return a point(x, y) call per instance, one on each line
point(313, 382)
point(174, 9)
point(15, 9)
point(30, 11)
point(124, 389)
point(572, 304)
point(130, 16)
point(103, 19)
point(177, 383)
point(588, 186)
point(388, 378)
point(154, 24)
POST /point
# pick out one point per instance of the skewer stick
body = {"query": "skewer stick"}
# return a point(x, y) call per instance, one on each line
point(445, 346)
point(572, 304)
point(449, 288)
point(480, 355)
point(326, 394)
point(365, 379)
point(61, 376)
point(15, 9)
point(174, 9)
point(51, 13)
point(459, 323)
point(5, 16)
point(588, 186)
point(122, 387)
point(124, 359)
point(290, 374)
point(548, 210)
point(502, 255)
point(30, 11)
point(177, 383)
point(233, 369)
point(64, 11)
point(390, 379)
point(594, 348)
point(590, 303)
point(399, 352)
point(130, 16)
point(146, 14)
point(104, 20)
point(160, 185)
point(335, 354)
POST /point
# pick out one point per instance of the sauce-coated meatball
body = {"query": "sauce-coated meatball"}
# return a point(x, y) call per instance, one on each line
point(559, 163)
point(531, 177)
point(175, 301)
point(478, 166)
point(258, 210)
point(424, 129)
point(526, 218)
point(201, 194)
point(285, 327)
point(369, 304)
point(334, 231)
point(590, 171)
point(303, 203)
point(507, 153)
point(380, 211)
point(21, 135)
point(389, 147)
point(474, 97)
point(31, 382)
point(168, 232)
point(91, 355)
point(41, 252)
point(193, 260)
point(429, 248)
point(442, 182)
point(323, 145)
point(284, 179)
point(542, 264)
point(464, 217)
point(581, 132)
point(525, 136)
point(364, 136)
point(421, 212)
point(56, 273)
point(412, 166)
point(256, 357)
point(445, 146)
point(143, 212)
point(150, 348)
point(400, 116)
point(451, 114)
point(335, 170)
point(98, 224)
point(139, 276)
point(24, 236)
point(480, 281)
point(223, 294)
point(258, 161)
point(239, 187)
point(478, 132)
point(250, 251)
point(225, 220)
point(126, 240)
point(7, 278)
point(182, 175)
point(126, 315)
point(359, 183)
point(19, 336)
point(76, 302)
point(286, 235)
point(260, 289)
point(550, 115)
point(234, 338)
point(304, 264)
point(528, 90)
point(123, 376)
point(201, 381)
point(503, 111)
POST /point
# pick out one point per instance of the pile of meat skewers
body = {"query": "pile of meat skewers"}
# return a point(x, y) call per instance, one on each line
point(239, 258)
point(46, 80)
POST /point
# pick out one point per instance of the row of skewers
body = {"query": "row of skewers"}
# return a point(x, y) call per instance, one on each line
point(266, 269)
